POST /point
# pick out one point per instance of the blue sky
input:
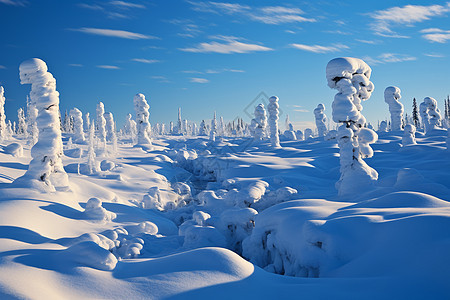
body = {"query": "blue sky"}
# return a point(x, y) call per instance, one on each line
point(206, 56)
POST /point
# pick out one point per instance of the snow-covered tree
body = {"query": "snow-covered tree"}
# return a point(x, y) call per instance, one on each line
point(273, 109)
point(203, 129)
point(290, 134)
point(3, 129)
point(392, 97)
point(46, 165)
point(213, 131)
point(22, 124)
point(351, 77)
point(143, 126)
point(101, 124)
point(260, 122)
point(415, 114)
point(87, 122)
point(425, 118)
point(299, 135)
point(110, 128)
point(179, 129)
point(433, 113)
point(221, 127)
point(409, 137)
point(92, 166)
point(78, 133)
point(321, 119)
point(383, 126)
point(131, 128)
point(287, 122)
point(308, 134)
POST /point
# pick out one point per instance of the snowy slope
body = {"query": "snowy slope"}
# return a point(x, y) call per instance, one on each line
point(250, 218)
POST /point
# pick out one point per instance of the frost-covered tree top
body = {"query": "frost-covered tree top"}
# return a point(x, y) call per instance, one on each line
point(433, 112)
point(320, 119)
point(143, 126)
point(46, 165)
point(351, 77)
point(391, 97)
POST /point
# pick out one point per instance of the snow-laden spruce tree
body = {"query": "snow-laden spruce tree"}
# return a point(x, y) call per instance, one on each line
point(143, 126)
point(409, 137)
point(78, 133)
point(22, 123)
point(273, 109)
point(92, 165)
point(351, 77)
point(101, 125)
point(308, 134)
point(221, 127)
point(46, 166)
point(321, 119)
point(213, 131)
point(391, 97)
point(131, 128)
point(260, 122)
point(3, 129)
point(87, 122)
point(179, 128)
point(383, 126)
point(290, 134)
point(202, 129)
point(434, 114)
point(110, 129)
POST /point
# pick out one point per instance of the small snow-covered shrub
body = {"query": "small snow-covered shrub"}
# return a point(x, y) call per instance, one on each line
point(290, 134)
point(409, 137)
point(95, 211)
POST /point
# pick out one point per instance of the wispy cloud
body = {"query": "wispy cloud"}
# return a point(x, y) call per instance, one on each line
point(436, 35)
point(406, 15)
point(370, 42)
point(265, 14)
point(76, 65)
point(114, 33)
point(109, 67)
point(2, 67)
point(145, 61)
point(435, 55)
point(320, 49)
point(302, 110)
point(388, 58)
point(160, 78)
point(14, 2)
point(213, 71)
point(126, 5)
point(199, 80)
point(231, 45)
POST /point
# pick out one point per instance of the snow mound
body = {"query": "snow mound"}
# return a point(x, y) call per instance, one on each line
point(15, 149)
point(95, 211)
point(403, 199)
point(90, 254)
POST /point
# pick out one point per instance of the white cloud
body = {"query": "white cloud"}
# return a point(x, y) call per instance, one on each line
point(123, 4)
point(388, 58)
point(370, 42)
point(14, 2)
point(199, 80)
point(145, 61)
point(109, 67)
point(91, 6)
point(436, 35)
point(160, 78)
point(232, 46)
point(114, 33)
point(435, 55)
point(302, 110)
point(265, 14)
point(320, 49)
point(76, 65)
point(2, 67)
point(407, 15)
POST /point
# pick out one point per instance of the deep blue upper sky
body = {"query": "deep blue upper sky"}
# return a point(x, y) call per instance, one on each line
point(206, 56)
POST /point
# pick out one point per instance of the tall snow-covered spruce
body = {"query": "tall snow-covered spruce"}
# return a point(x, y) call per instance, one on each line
point(351, 77)
point(260, 122)
point(392, 97)
point(321, 119)
point(46, 166)
point(273, 109)
point(101, 125)
point(143, 126)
